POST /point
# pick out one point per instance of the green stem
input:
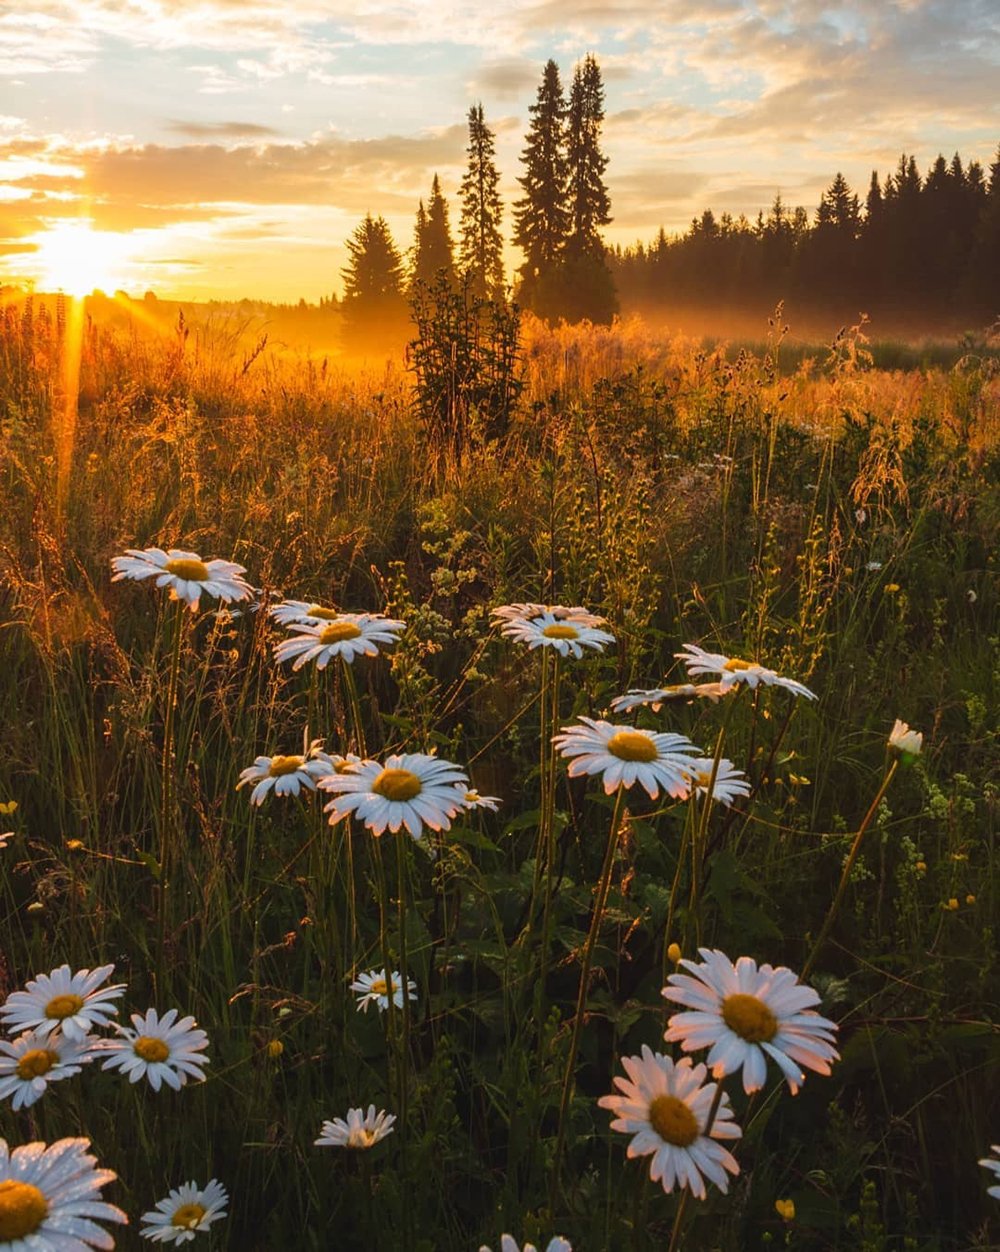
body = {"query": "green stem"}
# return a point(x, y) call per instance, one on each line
point(352, 692)
point(167, 790)
point(404, 1048)
point(852, 856)
point(603, 888)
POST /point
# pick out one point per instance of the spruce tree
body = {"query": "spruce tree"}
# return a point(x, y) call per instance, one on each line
point(589, 203)
point(481, 248)
point(541, 216)
point(432, 247)
point(373, 284)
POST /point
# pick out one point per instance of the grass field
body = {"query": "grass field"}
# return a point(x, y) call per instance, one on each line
point(837, 524)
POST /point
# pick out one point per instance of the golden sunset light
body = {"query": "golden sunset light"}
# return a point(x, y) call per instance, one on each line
point(499, 618)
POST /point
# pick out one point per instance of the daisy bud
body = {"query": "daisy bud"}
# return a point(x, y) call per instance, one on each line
point(907, 742)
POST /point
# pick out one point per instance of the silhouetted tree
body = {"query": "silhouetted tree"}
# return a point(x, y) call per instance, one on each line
point(481, 251)
point(373, 284)
point(433, 250)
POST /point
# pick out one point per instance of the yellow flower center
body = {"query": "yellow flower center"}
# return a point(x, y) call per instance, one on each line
point(673, 1121)
point(750, 1018)
point(397, 784)
point(702, 779)
point(343, 767)
point(61, 1007)
point(560, 631)
point(632, 745)
point(36, 1063)
point(188, 1216)
point(193, 571)
point(337, 632)
point(150, 1048)
point(379, 987)
point(734, 665)
point(281, 765)
point(23, 1208)
point(325, 615)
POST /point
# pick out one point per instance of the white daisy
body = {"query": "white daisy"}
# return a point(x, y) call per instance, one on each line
point(361, 1130)
point(28, 1064)
point(658, 696)
point(412, 790)
point(71, 1002)
point(512, 612)
point(905, 741)
point(988, 1162)
point(160, 1048)
point(665, 1106)
point(286, 774)
point(185, 573)
point(5, 838)
point(373, 988)
point(302, 613)
point(730, 782)
point(625, 755)
point(50, 1198)
point(473, 800)
point(187, 1211)
point(744, 1014)
point(566, 634)
point(348, 635)
point(732, 670)
point(509, 1244)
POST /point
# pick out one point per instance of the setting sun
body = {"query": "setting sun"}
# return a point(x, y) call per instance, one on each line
point(75, 258)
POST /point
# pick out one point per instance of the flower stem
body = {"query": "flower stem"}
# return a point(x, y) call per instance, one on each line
point(852, 856)
point(167, 790)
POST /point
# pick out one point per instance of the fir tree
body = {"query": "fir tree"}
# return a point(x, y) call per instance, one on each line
point(433, 250)
point(481, 251)
point(589, 203)
point(541, 216)
point(373, 283)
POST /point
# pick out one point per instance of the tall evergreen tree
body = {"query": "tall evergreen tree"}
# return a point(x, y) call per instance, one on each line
point(373, 283)
point(541, 217)
point(481, 247)
point(433, 250)
point(589, 203)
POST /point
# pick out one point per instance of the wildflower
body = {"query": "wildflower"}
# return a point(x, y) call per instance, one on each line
point(674, 953)
point(567, 634)
point(71, 1002)
point(359, 1131)
point(730, 782)
point(970, 899)
point(732, 670)
point(665, 1106)
point(952, 905)
point(373, 988)
point(286, 774)
point(509, 1244)
point(5, 838)
point(745, 1014)
point(29, 1063)
point(624, 756)
point(513, 612)
point(274, 1049)
point(971, 596)
point(412, 790)
point(50, 1198)
point(8, 807)
point(656, 698)
point(302, 613)
point(873, 566)
point(187, 1211)
point(994, 1166)
point(473, 800)
point(349, 635)
point(890, 589)
point(906, 742)
point(921, 867)
point(785, 1210)
point(160, 1048)
point(185, 573)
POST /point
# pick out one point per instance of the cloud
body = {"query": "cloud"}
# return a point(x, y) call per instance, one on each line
point(506, 77)
point(221, 130)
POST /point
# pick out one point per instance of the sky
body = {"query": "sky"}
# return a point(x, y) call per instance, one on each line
point(228, 148)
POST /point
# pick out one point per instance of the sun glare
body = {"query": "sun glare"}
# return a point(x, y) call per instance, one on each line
point(75, 258)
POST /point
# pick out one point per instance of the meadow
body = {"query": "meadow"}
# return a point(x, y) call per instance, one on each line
point(834, 521)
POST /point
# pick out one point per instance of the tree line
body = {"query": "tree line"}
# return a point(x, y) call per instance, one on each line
point(917, 246)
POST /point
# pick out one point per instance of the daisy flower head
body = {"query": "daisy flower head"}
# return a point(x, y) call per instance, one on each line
point(28, 1064)
point(730, 782)
point(907, 743)
point(665, 1106)
point(732, 670)
point(992, 1163)
point(744, 1015)
point(562, 613)
point(473, 800)
point(412, 790)
point(187, 1211)
point(72, 1002)
point(162, 1049)
point(568, 635)
point(509, 1244)
point(656, 698)
point(373, 988)
point(624, 755)
point(302, 613)
point(286, 775)
point(185, 573)
point(347, 635)
point(50, 1198)
point(361, 1130)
